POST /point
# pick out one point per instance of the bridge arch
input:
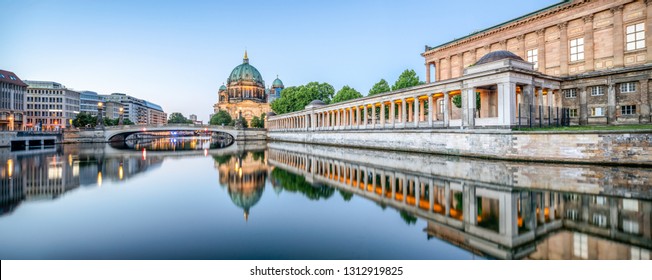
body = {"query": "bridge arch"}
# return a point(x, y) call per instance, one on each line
point(119, 133)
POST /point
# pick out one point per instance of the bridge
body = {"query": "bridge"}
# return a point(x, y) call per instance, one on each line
point(116, 133)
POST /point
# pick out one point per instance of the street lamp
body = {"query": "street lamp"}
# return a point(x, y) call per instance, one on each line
point(120, 119)
point(100, 121)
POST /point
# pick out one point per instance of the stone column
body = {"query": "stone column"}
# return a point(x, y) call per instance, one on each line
point(410, 113)
point(364, 116)
point(584, 114)
point(619, 37)
point(382, 114)
point(427, 72)
point(357, 116)
point(468, 107)
point(373, 115)
point(541, 50)
point(563, 48)
point(589, 65)
point(431, 110)
point(392, 113)
point(450, 67)
point(645, 101)
point(351, 120)
point(416, 111)
point(540, 103)
point(422, 111)
point(436, 77)
point(403, 112)
point(446, 112)
point(528, 101)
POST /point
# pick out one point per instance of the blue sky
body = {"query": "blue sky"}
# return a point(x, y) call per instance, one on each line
point(178, 53)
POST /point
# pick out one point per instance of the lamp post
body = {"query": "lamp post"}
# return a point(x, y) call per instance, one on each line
point(100, 120)
point(120, 118)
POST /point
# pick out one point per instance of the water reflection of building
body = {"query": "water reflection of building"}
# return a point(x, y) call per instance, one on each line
point(48, 176)
point(244, 175)
point(496, 219)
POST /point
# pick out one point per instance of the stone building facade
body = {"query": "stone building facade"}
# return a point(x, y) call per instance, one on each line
point(12, 101)
point(599, 49)
point(50, 105)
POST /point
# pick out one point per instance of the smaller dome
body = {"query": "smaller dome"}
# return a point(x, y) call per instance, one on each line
point(277, 83)
point(317, 102)
point(497, 55)
point(223, 88)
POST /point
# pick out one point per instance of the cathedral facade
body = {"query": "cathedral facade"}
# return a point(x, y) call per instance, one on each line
point(245, 94)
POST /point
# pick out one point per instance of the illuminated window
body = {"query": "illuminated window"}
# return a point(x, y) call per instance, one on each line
point(570, 93)
point(600, 220)
point(533, 57)
point(628, 87)
point(597, 90)
point(577, 49)
point(635, 36)
point(597, 112)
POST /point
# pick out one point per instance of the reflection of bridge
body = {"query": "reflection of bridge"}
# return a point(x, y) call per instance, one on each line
point(486, 213)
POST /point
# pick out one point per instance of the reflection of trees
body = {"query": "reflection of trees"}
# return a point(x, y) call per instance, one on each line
point(297, 183)
point(346, 195)
point(409, 219)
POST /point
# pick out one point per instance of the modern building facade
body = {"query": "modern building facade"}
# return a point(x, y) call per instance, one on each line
point(599, 49)
point(50, 105)
point(88, 101)
point(137, 110)
point(245, 94)
point(12, 101)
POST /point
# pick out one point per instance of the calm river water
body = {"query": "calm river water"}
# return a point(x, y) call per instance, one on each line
point(187, 198)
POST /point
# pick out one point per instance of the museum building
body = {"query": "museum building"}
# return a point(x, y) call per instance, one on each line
point(599, 50)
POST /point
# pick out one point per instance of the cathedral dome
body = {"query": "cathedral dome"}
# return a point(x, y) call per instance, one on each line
point(223, 88)
point(497, 55)
point(245, 72)
point(277, 83)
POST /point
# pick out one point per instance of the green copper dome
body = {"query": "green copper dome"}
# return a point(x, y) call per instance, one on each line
point(222, 88)
point(245, 73)
point(277, 83)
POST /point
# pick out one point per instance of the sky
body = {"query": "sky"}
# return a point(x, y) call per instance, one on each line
point(178, 53)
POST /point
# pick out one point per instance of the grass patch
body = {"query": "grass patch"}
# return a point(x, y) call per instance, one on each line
point(589, 127)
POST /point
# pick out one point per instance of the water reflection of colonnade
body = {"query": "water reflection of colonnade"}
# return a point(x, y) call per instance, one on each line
point(501, 220)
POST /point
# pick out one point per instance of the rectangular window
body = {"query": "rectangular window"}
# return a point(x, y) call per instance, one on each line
point(597, 90)
point(600, 220)
point(570, 93)
point(635, 37)
point(597, 112)
point(572, 113)
point(533, 57)
point(628, 110)
point(628, 87)
point(577, 49)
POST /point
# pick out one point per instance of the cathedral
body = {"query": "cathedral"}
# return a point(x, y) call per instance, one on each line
point(245, 93)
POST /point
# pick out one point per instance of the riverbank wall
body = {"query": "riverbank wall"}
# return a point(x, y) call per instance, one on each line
point(595, 147)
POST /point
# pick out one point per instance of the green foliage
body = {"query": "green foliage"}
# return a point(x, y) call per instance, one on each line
point(346, 93)
point(84, 119)
point(297, 183)
point(296, 98)
point(379, 87)
point(409, 219)
point(222, 159)
point(346, 195)
point(457, 101)
point(221, 118)
point(407, 79)
point(177, 117)
point(258, 122)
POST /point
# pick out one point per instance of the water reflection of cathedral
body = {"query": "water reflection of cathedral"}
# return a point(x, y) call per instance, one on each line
point(244, 175)
point(481, 211)
point(50, 175)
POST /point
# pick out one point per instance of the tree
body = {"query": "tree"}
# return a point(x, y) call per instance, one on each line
point(346, 93)
point(457, 101)
point(379, 87)
point(84, 119)
point(296, 98)
point(407, 79)
point(221, 118)
point(258, 122)
point(177, 117)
